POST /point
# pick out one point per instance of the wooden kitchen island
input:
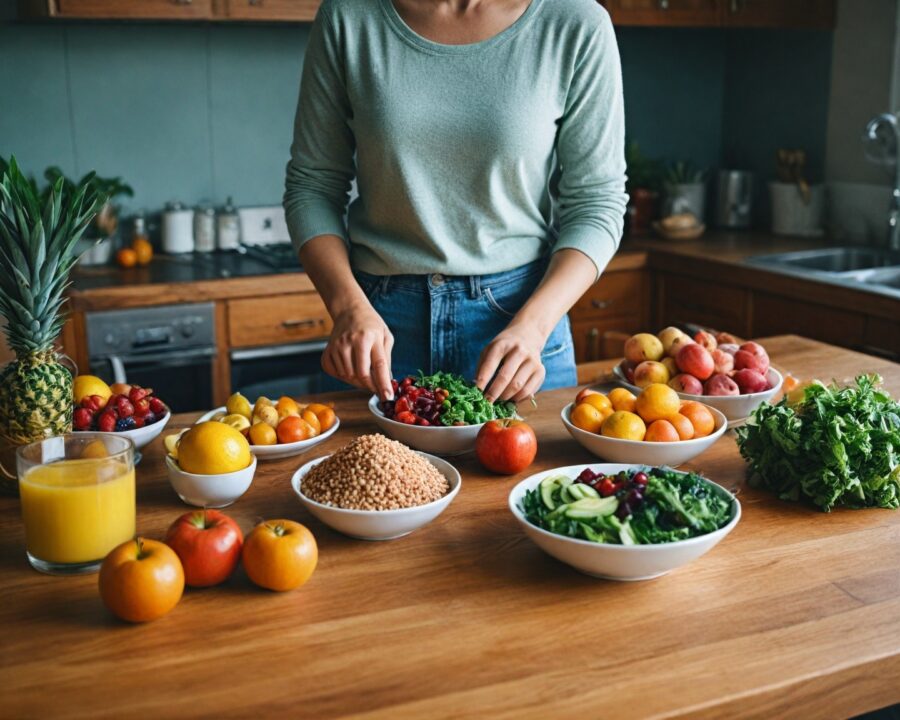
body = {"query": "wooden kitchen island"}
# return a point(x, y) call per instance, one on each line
point(795, 614)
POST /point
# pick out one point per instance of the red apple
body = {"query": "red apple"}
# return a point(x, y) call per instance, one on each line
point(706, 340)
point(506, 447)
point(746, 360)
point(720, 384)
point(685, 383)
point(724, 363)
point(208, 543)
point(759, 352)
point(750, 381)
point(695, 360)
point(724, 338)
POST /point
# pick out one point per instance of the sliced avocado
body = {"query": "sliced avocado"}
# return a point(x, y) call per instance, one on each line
point(588, 508)
point(587, 491)
point(574, 491)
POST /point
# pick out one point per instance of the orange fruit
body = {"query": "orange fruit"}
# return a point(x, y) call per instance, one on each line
point(280, 554)
point(326, 416)
point(622, 399)
point(586, 417)
point(682, 426)
point(213, 448)
point(293, 429)
point(287, 406)
point(263, 434)
point(656, 402)
point(661, 431)
point(126, 258)
point(599, 401)
point(143, 251)
point(313, 421)
point(141, 580)
point(700, 416)
point(624, 425)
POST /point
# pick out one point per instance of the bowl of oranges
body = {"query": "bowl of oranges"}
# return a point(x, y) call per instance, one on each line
point(654, 427)
point(280, 429)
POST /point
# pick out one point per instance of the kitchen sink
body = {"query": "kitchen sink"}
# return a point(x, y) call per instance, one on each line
point(889, 277)
point(833, 260)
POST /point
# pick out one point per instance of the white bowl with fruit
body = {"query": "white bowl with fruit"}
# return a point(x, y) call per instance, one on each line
point(121, 409)
point(654, 426)
point(732, 377)
point(277, 430)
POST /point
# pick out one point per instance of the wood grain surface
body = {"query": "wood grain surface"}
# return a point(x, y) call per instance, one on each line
point(795, 614)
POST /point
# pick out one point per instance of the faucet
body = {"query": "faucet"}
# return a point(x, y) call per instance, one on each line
point(882, 142)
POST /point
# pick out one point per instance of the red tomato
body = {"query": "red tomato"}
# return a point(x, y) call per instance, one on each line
point(506, 446)
point(583, 394)
point(141, 580)
point(208, 543)
point(280, 555)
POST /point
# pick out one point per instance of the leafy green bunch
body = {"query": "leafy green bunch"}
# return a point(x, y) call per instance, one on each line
point(465, 402)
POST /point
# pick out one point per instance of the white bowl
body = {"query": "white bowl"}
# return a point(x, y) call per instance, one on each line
point(379, 524)
point(209, 491)
point(144, 435)
point(617, 562)
point(643, 451)
point(435, 439)
point(736, 408)
point(281, 450)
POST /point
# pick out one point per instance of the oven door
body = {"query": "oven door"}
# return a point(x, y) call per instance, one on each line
point(273, 371)
point(182, 379)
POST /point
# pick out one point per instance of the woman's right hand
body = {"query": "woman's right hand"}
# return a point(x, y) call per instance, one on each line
point(359, 351)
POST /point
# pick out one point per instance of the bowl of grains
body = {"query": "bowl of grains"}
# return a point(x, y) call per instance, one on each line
point(376, 489)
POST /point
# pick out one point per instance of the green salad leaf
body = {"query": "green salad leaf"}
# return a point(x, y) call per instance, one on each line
point(837, 447)
point(465, 402)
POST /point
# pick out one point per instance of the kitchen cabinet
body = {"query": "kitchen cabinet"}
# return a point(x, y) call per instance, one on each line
point(723, 13)
point(253, 322)
point(773, 314)
point(687, 299)
point(692, 13)
point(614, 308)
point(120, 9)
point(272, 10)
point(780, 13)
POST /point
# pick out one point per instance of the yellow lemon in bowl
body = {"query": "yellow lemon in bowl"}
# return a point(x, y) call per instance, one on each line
point(86, 385)
point(624, 425)
point(213, 448)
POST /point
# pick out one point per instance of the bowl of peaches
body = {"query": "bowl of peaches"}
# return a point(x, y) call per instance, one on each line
point(717, 370)
point(279, 429)
point(653, 426)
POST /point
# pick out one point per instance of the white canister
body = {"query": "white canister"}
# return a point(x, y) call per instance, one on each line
point(228, 227)
point(204, 229)
point(794, 214)
point(177, 229)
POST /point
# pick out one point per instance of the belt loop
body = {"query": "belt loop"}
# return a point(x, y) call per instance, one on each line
point(475, 287)
point(383, 285)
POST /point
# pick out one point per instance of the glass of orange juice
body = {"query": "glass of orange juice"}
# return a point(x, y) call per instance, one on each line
point(78, 499)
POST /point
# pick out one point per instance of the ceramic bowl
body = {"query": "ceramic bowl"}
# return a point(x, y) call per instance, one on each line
point(736, 408)
point(143, 436)
point(210, 491)
point(281, 450)
point(437, 440)
point(641, 451)
point(379, 524)
point(617, 562)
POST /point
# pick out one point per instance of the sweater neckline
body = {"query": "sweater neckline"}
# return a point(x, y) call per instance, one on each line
point(422, 43)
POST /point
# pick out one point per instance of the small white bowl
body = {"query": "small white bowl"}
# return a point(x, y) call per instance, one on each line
point(379, 524)
point(435, 439)
point(210, 491)
point(736, 408)
point(643, 451)
point(144, 435)
point(281, 450)
point(617, 562)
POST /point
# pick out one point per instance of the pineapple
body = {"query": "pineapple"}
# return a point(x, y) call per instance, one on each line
point(36, 254)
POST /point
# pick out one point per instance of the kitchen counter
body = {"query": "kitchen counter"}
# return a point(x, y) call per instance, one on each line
point(796, 612)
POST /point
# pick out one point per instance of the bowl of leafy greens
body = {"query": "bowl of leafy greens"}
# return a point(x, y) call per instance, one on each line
point(439, 413)
point(623, 522)
point(827, 445)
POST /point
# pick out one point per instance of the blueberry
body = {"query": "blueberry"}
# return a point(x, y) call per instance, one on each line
point(125, 424)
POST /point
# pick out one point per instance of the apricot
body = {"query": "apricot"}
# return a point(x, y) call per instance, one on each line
point(723, 362)
point(700, 416)
point(668, 336)
point(661, 431)
point(720, 384)
point(750, 381)
point(685, 383)
point(695, 360)
point(682, 425)
point(706, 340)
point(649, 372)
point(679, 343)
point(643, 346)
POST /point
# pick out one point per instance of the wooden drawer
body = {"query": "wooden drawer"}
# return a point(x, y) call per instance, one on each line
point(277, 320)
point(683, 299)
point(615, 294)
point(285, 10)
point(777, 315)
point(601, 339)
point(144, 9)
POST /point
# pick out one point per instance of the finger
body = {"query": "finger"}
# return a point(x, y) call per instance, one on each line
point(344, 361)
point(532, 386)
point(508, 369)
point(362, 362)
point(522, 376)
point(490, 360)
point(381, 372)
point(328, 362)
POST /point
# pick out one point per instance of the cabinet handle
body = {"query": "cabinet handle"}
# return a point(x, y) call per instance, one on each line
point(593, 336)
point(182, 2)
point(255, 3)
point(663, 4)
point(602, 304)
point(293, 324)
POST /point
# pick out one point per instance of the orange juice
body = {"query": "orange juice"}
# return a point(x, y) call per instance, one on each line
point(76, 511)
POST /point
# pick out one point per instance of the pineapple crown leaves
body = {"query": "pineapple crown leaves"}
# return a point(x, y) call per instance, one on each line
point(37, 251)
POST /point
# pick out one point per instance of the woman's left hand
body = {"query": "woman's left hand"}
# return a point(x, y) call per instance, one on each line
point(515, 356)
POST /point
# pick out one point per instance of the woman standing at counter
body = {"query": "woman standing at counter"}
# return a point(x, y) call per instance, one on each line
point(487, 141)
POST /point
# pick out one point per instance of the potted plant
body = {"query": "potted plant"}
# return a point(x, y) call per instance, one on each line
point(642, 185)
point(684, 186)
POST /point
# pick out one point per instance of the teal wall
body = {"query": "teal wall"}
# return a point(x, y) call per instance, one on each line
point(199, 112)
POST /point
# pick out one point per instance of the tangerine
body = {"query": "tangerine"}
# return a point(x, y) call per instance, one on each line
point(293, 429)
point(661, 431)
point(622, 399)
point(598, 400)
point(700, 416)
point(586, 417)
point(624, 425)
point(656, 402)
point(126, 258)
point(682, 425)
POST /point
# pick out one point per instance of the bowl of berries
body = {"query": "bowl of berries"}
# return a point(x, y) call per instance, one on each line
point(129, 410)
point(439, 414)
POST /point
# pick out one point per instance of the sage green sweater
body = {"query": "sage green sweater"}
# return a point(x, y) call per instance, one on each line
point(469, 159)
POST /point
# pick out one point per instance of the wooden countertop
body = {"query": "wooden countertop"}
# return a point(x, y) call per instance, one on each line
point(796, 612)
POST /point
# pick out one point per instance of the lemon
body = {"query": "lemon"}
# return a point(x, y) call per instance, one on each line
point(238, 405)
point(624, 425)
point(85, 385)
point(213, 448)
point(238, 422)
point(657, 402)
point(171, 443)
point(94, 449)
point(218, 417)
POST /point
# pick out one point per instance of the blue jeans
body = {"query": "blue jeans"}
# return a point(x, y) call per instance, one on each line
point(443, 322)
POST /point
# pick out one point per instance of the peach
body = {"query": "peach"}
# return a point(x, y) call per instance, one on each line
point(649, 372)
point(668, 336)
point(695, 360)
point(720, 384)
point(724, 363)
point(679, 343)
point(685, 383)
point(744, 359)
point(759, 352)
point(724, 338)
point(671, 366)
point(706, 340)
point(729, 348)
point(643, 346)
point(750, 381)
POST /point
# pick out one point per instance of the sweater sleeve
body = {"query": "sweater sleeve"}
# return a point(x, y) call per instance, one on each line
point(321, 168)
point(591, 152)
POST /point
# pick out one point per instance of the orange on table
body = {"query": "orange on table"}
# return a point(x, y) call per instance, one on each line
point(682, 425)
point(262, 434)
point(657, 402)
point(313, 421)
point(624, 425)
point(586, 417)
point(126, 258)
point(143, 251)
point(599, 401)
point(661, 431)
point(700, 416)
point(293, 429)
point(622, 399)
point(287, 406)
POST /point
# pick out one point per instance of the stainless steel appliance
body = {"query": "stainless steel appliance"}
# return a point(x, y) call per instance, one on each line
point(883, 148)
point(273, 371)
point(734, 200)
point(170, 348)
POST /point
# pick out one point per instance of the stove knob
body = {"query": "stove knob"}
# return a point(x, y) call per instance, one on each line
point(187, 330)
point(111, 339)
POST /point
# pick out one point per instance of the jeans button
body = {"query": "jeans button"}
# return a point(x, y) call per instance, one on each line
point(437, 280)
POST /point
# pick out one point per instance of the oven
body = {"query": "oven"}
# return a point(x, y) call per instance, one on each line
point(293, 369)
